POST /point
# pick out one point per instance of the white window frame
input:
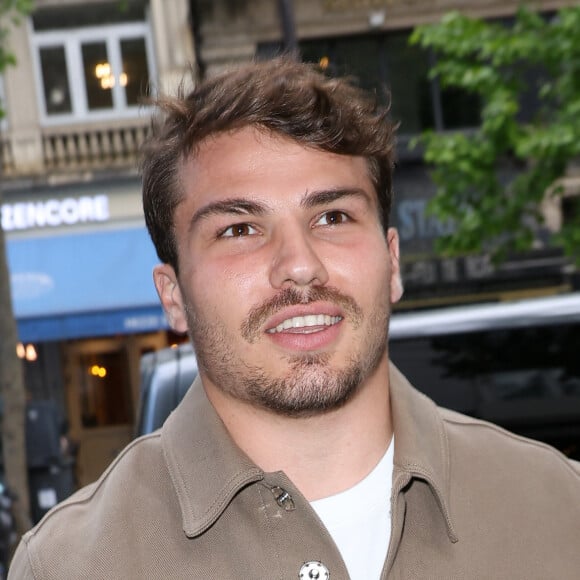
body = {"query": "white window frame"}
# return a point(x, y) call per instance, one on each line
point(72, 40)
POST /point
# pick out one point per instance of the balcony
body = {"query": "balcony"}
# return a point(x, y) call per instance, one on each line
point(69, 149)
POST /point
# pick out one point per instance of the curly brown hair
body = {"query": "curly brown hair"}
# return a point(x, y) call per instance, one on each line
point(289, 98)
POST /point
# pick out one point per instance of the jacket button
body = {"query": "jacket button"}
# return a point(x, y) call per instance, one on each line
point(314, 571)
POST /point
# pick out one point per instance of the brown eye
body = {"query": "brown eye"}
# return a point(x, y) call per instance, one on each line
point(238, 230)
point(332, 218)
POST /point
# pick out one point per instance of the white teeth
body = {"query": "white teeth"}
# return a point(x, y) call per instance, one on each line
point(306, 321)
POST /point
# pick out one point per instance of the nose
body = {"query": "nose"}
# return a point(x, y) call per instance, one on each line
point(296, 261)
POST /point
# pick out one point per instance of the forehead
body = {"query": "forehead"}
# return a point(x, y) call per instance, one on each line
point(252, 162)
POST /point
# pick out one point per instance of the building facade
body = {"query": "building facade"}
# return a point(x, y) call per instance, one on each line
point(77, 247)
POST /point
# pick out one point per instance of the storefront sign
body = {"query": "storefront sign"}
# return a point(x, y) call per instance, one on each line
point(54, 212)
point(415, 223)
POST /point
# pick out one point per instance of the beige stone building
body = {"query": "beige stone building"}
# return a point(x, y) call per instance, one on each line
point(78, 250)
point(233, 30)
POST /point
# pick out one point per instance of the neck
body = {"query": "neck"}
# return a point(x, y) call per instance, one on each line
point(344, 444)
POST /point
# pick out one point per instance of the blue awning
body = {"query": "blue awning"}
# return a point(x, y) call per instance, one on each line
point(82, 285)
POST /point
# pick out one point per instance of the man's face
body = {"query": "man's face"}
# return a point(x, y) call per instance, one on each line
point(286, 277)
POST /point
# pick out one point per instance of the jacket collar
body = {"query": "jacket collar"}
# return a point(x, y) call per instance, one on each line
point(421, 446)
point(208, 469)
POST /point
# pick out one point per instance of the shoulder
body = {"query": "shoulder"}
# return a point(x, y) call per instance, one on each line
point(487, 443)
point(116, 506)
point(502, 485)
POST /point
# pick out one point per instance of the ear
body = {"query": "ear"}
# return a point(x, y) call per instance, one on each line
point(396, 284)
point(170, 296)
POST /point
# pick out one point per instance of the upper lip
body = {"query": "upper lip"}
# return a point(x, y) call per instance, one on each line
point(302, 310)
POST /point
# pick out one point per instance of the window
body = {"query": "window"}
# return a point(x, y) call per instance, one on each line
point(57, 96)
point(91, 72)
point(381, 61)
point(387, 60)
point(571, 209)
point(103, 384)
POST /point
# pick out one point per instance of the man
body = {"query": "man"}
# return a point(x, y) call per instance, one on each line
point(299, 452)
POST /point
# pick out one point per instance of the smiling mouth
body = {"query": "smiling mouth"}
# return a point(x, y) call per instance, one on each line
point(306, 324)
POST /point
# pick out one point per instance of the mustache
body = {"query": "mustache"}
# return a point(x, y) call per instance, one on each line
point(292, 297)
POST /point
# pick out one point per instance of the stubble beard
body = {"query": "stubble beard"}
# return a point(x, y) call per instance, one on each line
point(312, 384)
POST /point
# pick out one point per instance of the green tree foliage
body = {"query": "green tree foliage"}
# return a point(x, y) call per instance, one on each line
point(493, 209)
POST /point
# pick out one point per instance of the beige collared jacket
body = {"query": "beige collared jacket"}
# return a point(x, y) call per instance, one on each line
point(469, 501)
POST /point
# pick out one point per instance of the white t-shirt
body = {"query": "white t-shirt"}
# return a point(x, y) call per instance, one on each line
point(359, 520)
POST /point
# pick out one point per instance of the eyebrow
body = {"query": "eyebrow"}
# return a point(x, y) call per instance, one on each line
point(325, 196)
point(234, 205)
point(244, 206)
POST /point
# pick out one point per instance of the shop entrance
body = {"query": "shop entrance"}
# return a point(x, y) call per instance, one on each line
point(102, 377)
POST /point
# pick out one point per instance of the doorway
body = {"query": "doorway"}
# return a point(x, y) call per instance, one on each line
point(102, 391)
